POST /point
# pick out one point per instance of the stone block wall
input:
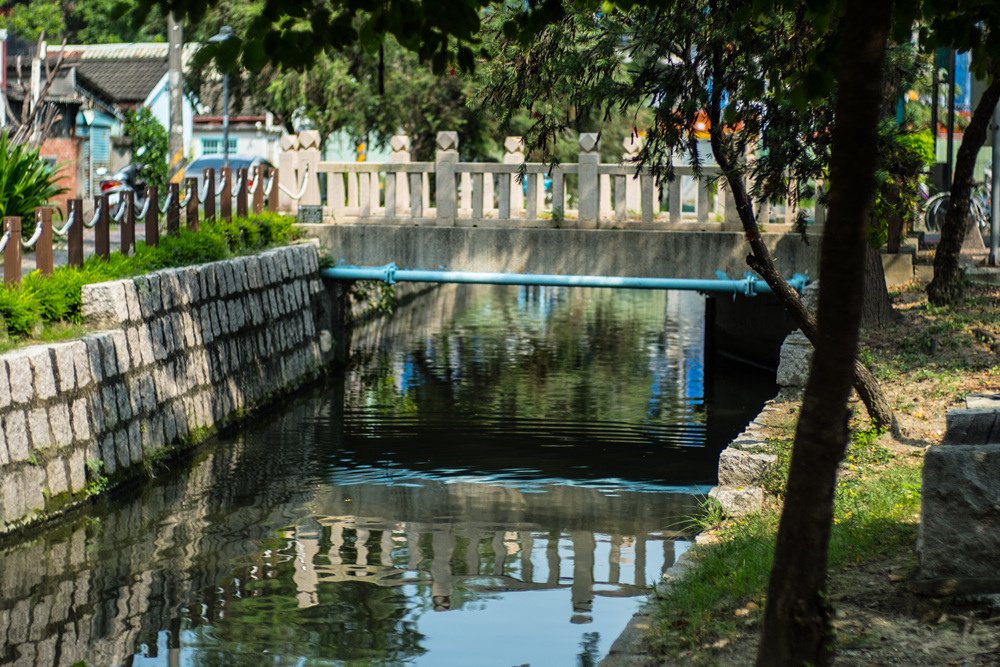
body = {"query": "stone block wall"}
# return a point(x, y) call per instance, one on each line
point(184, 352)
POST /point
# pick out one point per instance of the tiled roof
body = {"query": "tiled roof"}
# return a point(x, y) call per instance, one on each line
point(122, 51)
point(122, 81)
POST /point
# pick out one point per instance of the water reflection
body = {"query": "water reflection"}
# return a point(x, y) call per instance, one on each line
point(494, 483)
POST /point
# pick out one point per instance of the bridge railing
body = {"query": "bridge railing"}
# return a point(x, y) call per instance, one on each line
point(586, 194)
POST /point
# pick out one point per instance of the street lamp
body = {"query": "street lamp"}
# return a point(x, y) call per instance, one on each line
point(225, 33)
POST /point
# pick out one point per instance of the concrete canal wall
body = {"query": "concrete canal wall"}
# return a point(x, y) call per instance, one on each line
point(183, 352)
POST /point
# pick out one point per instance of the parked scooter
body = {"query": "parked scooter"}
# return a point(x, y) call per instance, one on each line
point(128, 178)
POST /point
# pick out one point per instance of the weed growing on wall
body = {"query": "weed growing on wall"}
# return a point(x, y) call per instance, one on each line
point(56, 298)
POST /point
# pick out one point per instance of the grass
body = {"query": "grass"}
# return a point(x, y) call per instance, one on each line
point(876, 513)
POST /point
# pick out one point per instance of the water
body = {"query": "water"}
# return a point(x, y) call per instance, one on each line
point(495, 481)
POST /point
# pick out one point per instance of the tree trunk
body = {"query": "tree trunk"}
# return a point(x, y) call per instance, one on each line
point(947, 286)
point(760, 260)
point(876, 308)
point(797, 627)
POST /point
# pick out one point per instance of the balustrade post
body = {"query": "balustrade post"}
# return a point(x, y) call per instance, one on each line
point(127, 228)
point(152, 217)
point(12, 253)
point(241, 194)
point(514, 154)
point(102, 230)
point(445, 160)
point(258, 192)
point(174, 210)
point(309, 142)
point(589, 198)
point(272, 196)
point(400, 145)
point(43, 249)
point(226, 193)
point(191, 214)
point(74, 237)
point(209, 203)
point(287, 166)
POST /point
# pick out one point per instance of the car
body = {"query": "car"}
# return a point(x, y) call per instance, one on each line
point(196, 168)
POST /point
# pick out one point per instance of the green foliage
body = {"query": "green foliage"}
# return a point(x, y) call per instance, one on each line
point(31, 19)
point(97, 481)
point(904, 156)
point(84, 21)
point(26, 182)
point(56, 298)
point(147, 132)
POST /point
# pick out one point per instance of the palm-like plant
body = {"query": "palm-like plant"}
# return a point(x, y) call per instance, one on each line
point(26, 182)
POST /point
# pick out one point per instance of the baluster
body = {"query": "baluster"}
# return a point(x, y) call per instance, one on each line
point(465, 192)
point(621, 197)
point(335, 193)
point(477, 182)
point(390, 195)
point(174, 210)
point(364, 196)
point(74, 237)
point(503, 209)
point(209, 202)
point(531, 210)
point(102, 231)
point(12, 253)
point(646, 193)
point(702, 185)
point(127, 228)
point(43, 248)
point(558, 192)
point(445, 159)
point(152, 217)
point(674, 192)
point(258, 193)
point(226, 193)
point(589, 183)
point(416, 195)
point(241, 193)
point(193, 204)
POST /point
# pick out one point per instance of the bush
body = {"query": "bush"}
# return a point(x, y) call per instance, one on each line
point(56, 297)
point(26, 182)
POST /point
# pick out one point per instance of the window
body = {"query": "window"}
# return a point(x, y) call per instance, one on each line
point(213, 146)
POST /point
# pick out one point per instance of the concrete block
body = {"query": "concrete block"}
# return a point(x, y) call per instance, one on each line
point(79, 420)
point(742, 468)
point(20, 375)
point(122, 451)
point(960, 516)
point(59, 421)
point(794, 360)
point(104, 304)
point(977, 401)
point(979, 426)
point(898, 269)
point(108, 454)
point(4, 386)
point(65, 355)
point(132, 300)
point(739, 501)
point(77, 464)
point(122, 356)
point(109, 357)
point(95, 353)
point(56, 479)
point(38, 429)
point(41, 367)
point(12, 495)
point(107, 406)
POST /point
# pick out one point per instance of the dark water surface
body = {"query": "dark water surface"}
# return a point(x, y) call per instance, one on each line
point(495, 480)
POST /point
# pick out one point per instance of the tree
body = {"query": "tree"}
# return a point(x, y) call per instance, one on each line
point(147, 133)
point(967, 25)
point(85, 21)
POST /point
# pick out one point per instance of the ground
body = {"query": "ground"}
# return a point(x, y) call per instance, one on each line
point(927, 361)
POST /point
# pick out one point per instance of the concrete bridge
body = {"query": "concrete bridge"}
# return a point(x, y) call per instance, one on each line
point(515, 216)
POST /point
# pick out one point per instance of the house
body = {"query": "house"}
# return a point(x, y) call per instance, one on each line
point(252, 130)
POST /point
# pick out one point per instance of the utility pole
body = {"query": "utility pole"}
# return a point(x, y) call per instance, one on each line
point(995, 191)
point(175, 80)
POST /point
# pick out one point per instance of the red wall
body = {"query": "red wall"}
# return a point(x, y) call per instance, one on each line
point(66, 153)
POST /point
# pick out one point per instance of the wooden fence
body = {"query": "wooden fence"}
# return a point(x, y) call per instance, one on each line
point(251, 192)
point(586, 194)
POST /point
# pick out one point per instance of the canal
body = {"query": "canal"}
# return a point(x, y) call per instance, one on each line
point(495, 479)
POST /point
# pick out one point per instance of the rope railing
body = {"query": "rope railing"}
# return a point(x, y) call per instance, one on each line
point(239, 184)
point(120, 211)
point(270, 183)
point(203, 190)
point(165, 206)
point(145, 208)
point(70, 221)
point(4, 240)
point(186, 199)
point(97, 216)
point(302, 188)
point(30, 243)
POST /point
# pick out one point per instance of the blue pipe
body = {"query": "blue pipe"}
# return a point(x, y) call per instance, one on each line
point(749, 285)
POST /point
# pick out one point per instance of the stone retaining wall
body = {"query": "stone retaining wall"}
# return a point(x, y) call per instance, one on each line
point(185, 351)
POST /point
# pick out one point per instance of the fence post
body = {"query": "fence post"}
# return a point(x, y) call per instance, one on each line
point(445, 160)
point(589, 187)
point(102, 231)
point(287, 166)
point(272, 196)
point(74, 237)
point(514, 154)
point(209, 194)
point(400, 145)
point(128, 225)
point(241, 194)
point(192, 206)
point(258, 190)
point(12, 253)
point(174, 210)
point(43, 249)
point(153, 217)
point(226, 193)
point(309, 154)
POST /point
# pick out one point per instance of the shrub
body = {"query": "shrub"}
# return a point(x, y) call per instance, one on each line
point(56, 297)
point(26, 182)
